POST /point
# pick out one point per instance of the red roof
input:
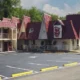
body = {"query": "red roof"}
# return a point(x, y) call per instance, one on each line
point(25, 21)
point(47, 19)
point(6, 22)
point(15, 20)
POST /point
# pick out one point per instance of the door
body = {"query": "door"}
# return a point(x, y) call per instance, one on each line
point(5, 46)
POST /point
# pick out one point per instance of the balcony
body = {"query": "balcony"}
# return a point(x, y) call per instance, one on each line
point(4, 36)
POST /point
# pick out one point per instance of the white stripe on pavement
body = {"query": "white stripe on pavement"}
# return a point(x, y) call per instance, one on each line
point(58, 61)
point(33, 57)
point(38, 64)
point(16, 67)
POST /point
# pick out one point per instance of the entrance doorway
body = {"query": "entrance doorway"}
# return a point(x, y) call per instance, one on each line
point(5, 46)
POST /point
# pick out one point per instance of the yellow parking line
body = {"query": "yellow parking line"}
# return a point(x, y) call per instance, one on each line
point(71, 64)
point(48, 69)
point(22, 74)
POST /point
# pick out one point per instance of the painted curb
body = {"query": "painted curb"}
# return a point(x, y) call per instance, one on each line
point(22, 74)
point(71, 64)
point(48, 69)
point(0, 78)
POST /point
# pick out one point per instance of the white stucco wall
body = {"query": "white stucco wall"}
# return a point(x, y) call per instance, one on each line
point(61, 44)
point(43, 32)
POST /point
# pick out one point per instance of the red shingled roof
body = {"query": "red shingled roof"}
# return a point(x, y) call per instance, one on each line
point(25, 21)
point(6, 23)
point(47, 19)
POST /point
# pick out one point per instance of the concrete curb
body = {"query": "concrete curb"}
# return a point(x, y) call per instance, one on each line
point(29, 73)
point(22, 74)
point(71, 64)
point(49, 69)
point(0, 78)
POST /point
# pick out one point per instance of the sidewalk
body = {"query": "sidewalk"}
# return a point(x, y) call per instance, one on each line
point(6, 52)
point(72, 73)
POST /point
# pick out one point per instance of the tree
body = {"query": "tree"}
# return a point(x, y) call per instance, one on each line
point(35, 14)
point(20, 12)
point(6, 7)
point(54, 17)
point(62, 18)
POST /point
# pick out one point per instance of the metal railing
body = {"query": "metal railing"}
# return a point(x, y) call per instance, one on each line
point(4, 36)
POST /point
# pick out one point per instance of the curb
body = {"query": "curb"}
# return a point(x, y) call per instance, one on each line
point(0, 78)
point(22, 74)
point(71, 64)
point(17, 75)
point(49, 69)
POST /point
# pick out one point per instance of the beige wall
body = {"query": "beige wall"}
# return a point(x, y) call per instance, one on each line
point(14, 44)
point(14, 34)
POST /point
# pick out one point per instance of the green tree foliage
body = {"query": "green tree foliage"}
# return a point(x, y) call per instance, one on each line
point(54, 17)
point(6, 7)
point(35, 14)
point(62, 18)
point(9, 8)
point(20, 12)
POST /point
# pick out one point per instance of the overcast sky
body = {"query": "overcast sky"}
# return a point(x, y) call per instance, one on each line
point(58, 7)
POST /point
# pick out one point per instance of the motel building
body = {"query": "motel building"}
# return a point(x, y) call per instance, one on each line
point(48, 35)
point(8, 35)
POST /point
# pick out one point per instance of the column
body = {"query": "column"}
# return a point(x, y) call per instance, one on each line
point(79, 44)
point(70, 45)
point(1, 33)
point(75, 44)
point(16, 38)
point(12, 33)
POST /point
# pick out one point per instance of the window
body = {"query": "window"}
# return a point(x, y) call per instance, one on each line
point(54, 42)
point(33, 42)
point(42, 42)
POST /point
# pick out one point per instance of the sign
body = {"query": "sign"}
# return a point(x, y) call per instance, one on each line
point(57, 31)
point(31, 30)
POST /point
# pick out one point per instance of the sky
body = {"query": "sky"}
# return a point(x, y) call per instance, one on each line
point(57, 7)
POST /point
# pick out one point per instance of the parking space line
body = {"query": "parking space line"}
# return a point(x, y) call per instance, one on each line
point(63, 61)
point(38, 64)
point(33, 57)
point(16, 67)
point(4, 77)
point(58, 61)
point(70, 58)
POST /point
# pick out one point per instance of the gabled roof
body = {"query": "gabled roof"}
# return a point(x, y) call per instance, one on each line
point(76, 27)
point(69, 31)
point(22, 31)
point(33, 30)
point(16, 21)
point(47, 18)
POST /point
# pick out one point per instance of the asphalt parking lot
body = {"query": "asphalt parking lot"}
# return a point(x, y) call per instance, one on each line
point(20, 62)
